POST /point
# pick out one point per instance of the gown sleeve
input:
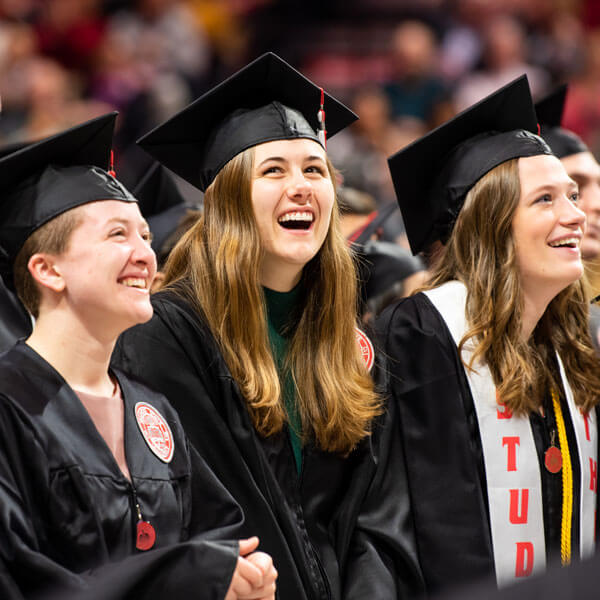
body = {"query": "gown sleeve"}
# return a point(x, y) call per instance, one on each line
point(432, 444)
point(382, 560)
point(32, 568)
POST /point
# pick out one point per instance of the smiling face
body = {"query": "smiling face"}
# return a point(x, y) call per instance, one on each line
point(108, 267)
point(583, 168)
point(292, 200)
point(547, 227)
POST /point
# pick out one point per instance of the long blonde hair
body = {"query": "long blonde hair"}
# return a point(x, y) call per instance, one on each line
point(215, 266)
point(481, 254)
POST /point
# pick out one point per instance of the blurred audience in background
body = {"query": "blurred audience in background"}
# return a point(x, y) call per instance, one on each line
point(403, 65)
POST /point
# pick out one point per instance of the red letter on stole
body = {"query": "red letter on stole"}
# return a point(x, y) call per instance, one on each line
point(512, 443)
point(593, 475)
point(524, 567)
point(514, 516)
point(586, 420)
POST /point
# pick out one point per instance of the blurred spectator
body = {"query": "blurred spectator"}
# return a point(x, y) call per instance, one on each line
point(462, 44)
point(505, 58)
point(582, 110)
point(356, 208)
point(70, 31)
point(48, 92)
point(360, 152)
point(555, 37)
point(166, 35)
point(416, 90)
point(18, 51)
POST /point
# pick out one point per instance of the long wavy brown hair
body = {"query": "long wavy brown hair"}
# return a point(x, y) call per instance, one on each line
point(215, 266)
point(481, 253)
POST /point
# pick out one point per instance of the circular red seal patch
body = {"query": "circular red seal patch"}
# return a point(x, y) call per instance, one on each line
point(366, 348)
point(155, 430)
point(553, 459)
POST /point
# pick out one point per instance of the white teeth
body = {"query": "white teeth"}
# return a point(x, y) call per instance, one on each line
point(565, 242)
point(296, 216)
point(134, 282)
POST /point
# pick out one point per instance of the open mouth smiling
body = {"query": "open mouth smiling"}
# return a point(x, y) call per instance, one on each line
point(567, 242)
point(134, 282)
point(296, 220)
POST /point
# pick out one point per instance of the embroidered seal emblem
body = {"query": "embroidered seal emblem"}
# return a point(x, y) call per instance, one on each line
point(366, 348)
point(155, 430)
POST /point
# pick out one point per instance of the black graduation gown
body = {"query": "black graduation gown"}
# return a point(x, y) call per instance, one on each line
point(66, 509)
point(15, 323)
point(306, 523)
point(437, 434)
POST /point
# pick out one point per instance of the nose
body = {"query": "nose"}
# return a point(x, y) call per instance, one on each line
point(143, 255)
point(299, 188)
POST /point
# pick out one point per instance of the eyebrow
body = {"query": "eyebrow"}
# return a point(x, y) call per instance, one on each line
point(122, 221)
point(281, 159)
point(551, 186)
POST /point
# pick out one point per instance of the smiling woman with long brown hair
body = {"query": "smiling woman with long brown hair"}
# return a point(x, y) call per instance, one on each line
point(492, 373)
point(254, 336)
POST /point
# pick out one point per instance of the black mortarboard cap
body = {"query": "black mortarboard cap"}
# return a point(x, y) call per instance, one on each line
point(386, 264)
point(549, 112)
point(380, 217)
point(49, 177)
point(12, 148)
point(433, 175)
point(267, 100)
point(161, 203)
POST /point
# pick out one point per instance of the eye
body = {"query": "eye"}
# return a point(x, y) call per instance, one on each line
point(546, 198)
point(315, 169)
point(117, 232)
point(271, 170)
point(147, 236)
point(574, 197)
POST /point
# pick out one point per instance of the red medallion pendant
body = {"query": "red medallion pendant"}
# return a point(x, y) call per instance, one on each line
point(553, 459)
point(145, 535)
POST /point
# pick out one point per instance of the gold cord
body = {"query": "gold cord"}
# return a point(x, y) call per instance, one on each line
point(567, 484)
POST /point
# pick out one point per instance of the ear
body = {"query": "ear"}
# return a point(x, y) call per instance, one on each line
point(45, 271)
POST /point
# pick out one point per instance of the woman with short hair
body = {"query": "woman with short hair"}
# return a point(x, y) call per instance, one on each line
point(99, 487)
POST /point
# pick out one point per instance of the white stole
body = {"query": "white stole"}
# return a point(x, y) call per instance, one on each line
point(511, 463)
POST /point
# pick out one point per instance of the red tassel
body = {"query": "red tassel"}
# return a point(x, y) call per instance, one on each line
point(111, 171)
point(322, 133)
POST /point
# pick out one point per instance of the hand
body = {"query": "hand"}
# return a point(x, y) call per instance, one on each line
point(254, 575)
point(265, 563)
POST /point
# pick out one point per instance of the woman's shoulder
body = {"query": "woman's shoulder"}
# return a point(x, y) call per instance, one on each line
point(414, 314)
point(414, 337)
point(173, 319)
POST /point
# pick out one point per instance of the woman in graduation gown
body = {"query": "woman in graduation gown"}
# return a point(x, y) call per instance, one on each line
point(491, 371)
point(99, 487)
point(253, 337)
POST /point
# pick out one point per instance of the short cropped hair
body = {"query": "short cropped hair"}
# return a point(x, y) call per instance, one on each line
point(52, 238)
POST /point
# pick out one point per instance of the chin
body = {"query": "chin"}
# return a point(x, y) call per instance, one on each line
point(141, 316)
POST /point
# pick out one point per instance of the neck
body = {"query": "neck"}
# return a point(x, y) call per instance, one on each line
point(534, 306)
point(280, 278)
point(81, 357)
